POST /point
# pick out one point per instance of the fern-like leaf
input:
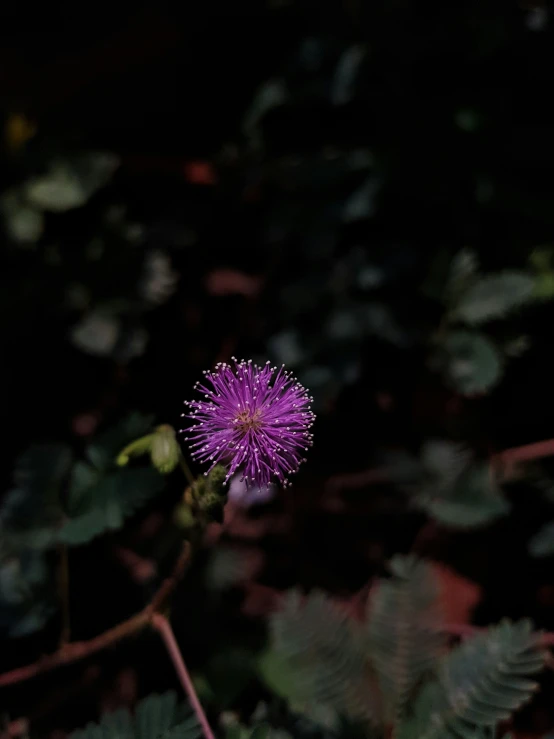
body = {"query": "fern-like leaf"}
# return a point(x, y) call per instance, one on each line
point(402, 621)
point(481, 683)
point(318, 659)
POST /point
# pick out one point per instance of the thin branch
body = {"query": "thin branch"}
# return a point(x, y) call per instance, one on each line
point(186, 470)
point(162, 625)
point(377, 475)
point(526, 453)
point(74, 651)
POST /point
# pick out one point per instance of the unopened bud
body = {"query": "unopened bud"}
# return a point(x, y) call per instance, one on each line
point(161, 445)
point(134, 449)
point(165, 451)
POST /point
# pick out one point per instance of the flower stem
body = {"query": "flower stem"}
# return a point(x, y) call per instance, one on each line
point(162, 625)
point(186, 470)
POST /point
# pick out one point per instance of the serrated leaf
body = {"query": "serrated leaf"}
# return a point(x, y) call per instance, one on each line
point(107, 504)
point(30, 513)
point(494, 296)
point(471, 362)
point(542, 543)
point(189, 729)
point(155, 718)
point(26, 586)
point(154, 715)
point(402, 622)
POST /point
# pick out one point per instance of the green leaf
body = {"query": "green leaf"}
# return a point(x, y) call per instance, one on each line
point(23, 223)
point(70, 184)
point(262, 731)
point(494, 296)
point(279, 674)
point(403, 618)
point(116, 725)
point(106, 505)
point(30, 513)
point(189, 729)
point(542, 543)
point(420, 722)
point(26, 589)
point(155, 718)
point(457, 491)
point(481, 683)
point(471, 362)
point(154, 715)
point(323, 651)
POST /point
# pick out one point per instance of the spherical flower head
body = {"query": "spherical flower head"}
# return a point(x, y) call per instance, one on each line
point(254, 420)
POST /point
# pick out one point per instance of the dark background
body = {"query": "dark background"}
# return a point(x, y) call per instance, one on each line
point(166, 87)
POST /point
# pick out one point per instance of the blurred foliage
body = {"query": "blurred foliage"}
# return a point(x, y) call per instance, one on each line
point(362, 192)
point(423, 693)
point(155, 716)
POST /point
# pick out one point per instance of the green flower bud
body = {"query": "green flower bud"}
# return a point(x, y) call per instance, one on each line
point(134, 449)
point(165, 451)
point(213, 506)
point(211, 493)
point(215, 482)
point(162, 446)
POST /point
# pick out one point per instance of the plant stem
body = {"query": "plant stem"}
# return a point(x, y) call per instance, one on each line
point(74, 651)
point(162, 625)
point(64, 594)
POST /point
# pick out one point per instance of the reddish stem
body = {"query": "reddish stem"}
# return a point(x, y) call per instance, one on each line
point(74, 651)
point(162, 625)
point(526, 453)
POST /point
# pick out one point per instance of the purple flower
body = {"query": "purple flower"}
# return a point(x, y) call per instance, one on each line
point(255, 420)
